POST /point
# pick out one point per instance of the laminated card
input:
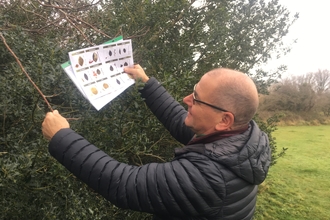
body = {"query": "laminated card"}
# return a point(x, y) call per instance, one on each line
point(98, 71)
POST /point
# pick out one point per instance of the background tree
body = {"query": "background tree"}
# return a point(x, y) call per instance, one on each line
point(174, 40)
point(322, 87)
point(322, 80)
point(294, 94)
point(305, 96)
point(325, 104)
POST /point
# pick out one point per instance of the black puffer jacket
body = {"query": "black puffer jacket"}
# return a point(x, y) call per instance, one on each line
point(213, 181)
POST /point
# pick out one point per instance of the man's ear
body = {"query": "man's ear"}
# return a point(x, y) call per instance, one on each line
point(226, 122)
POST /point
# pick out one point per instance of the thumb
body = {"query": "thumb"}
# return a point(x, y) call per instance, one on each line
point(55, 112)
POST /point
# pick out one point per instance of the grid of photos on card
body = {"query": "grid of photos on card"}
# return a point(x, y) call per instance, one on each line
point(100, 69)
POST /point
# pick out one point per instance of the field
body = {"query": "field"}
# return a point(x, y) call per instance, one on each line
point(298, 186)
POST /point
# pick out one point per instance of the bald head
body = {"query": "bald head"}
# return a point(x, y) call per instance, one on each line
point(235, 92)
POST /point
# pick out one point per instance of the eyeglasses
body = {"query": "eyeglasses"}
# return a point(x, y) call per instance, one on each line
point(212, 106)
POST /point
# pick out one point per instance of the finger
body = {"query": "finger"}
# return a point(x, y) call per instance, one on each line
point(48, 114)
point(130, 70)
point(55, 112)
point(137, 66)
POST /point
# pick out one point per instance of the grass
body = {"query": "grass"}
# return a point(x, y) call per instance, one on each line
point(298, 186)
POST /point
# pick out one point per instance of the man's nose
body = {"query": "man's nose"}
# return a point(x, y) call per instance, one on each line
point(188, 100)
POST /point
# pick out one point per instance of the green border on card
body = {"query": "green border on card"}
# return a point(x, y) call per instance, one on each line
point(114, 40)
point(68, 63)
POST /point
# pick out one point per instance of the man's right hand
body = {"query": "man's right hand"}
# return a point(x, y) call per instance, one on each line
point(52, 123)
point(136, 72)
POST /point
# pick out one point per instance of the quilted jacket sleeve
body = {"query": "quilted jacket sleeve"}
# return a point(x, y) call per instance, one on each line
point(168, 111)
point(178, 188)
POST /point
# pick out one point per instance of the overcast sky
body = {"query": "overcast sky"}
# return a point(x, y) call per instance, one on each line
point(312, 31)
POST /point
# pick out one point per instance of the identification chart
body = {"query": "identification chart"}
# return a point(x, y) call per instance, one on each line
point(98, 71)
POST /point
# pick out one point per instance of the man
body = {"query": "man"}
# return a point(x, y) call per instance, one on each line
point(215, 176)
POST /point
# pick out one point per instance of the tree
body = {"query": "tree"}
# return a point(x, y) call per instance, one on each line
point(322, 80)
point(293, 94)
point(174, 40)
point(324, 103)
point(299, 93)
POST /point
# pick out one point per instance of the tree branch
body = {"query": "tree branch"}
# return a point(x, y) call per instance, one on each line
point(91, 26)
point(27, 75)
point(77, 28)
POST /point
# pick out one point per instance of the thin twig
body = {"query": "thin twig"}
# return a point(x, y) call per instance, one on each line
point(152, 155)
point(140, 35)
point(27, 75)
point(91, 26)
point(3, 153)
point(72, 119)
point(32, 12)
point(54, 95)
point(79, 30)
point(69, 8)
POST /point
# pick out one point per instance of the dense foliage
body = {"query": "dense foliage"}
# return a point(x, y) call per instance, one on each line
point(174, 40)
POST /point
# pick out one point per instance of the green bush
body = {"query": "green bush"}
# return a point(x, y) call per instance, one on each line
point(175, 42)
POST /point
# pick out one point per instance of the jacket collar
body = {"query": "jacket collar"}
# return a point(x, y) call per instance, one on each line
point(215, 136)
point(197, 143)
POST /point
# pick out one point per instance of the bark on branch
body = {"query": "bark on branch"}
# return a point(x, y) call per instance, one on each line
point(27, 75)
